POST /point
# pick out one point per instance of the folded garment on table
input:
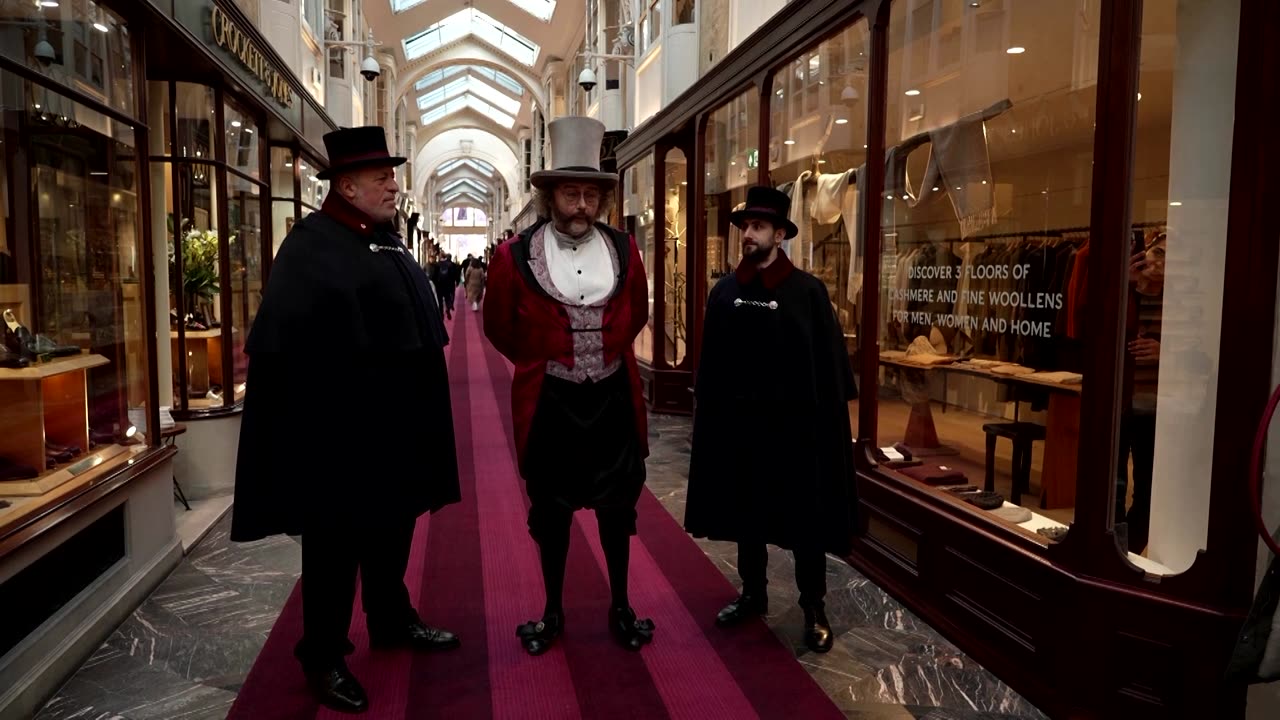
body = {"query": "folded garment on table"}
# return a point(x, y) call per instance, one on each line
point(936, 475)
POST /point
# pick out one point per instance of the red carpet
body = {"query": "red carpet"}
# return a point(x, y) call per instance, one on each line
point(474, 570)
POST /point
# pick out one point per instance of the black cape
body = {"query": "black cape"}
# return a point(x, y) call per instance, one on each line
point(772, 456)
point(347, 416)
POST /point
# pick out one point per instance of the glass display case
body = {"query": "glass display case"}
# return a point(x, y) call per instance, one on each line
point(216, 205)
point(640, 220)
point(731, 140)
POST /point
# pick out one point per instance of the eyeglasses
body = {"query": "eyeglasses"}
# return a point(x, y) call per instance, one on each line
point(590, 196)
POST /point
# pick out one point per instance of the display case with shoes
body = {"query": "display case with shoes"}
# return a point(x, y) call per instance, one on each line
point(44, 428)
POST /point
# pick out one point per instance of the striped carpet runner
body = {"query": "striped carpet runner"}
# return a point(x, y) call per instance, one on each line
point(474, 570)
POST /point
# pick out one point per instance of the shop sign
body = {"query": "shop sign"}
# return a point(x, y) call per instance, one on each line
point(230, 37)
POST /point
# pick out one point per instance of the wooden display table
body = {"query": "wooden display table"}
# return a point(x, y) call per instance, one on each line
point(1062, 427)
point(47, 402)
point(204, 360)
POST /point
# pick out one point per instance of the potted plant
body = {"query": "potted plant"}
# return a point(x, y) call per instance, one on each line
point(200, 281)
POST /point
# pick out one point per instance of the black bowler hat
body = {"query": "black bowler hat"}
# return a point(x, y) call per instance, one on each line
point(765, 203)
point(357, 148)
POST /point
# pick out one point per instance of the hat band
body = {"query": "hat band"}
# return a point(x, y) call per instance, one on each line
point(376, 155)
point(578, 168)
point(770, 211)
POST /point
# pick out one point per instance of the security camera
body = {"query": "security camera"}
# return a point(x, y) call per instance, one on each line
point(370, 69)
point(587, 79)
point(45, 53)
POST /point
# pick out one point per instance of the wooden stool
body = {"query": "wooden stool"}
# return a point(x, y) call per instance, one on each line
point(168, 436)
point(1023, 434)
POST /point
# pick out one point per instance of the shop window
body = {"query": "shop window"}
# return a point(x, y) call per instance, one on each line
point(215, 243)
point(649, 28)
point(675, 252)
point(244, 217)
point(284, 208)
point(685, 12)
point(313, 188)
point(731, 138)
point(983, 235)
point(77, 44)
point(242, 141)
point(73, 362)
point(817, 155)
point(1181, 181)
point(638, 212)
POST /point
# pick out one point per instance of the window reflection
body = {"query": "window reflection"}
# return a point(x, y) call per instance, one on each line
point(984, 235)
point(817, 155)
point(638, 212)
point(676, 258)
point(73, 360)
point(732, 160)
point(1181, 184)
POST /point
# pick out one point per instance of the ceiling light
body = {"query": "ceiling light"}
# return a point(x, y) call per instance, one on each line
point(864, 147)
point(288, 164)
point(48, 3)
point(912, 92)
point(248, 131)
point(984, 182)
point(302, 166)
point(935, 189)
point(100, 27)
point(1176, 203)
point(842, 121)
point(975, 3)
point(733, 162)
point(1139, 96)
point(37, 106)
point(788, 142)
point(684, 182)
point(235, 123)
point(1014, 131)
point(1016, 50)
point(906, 197)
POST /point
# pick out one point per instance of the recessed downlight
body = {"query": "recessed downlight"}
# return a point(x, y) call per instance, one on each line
point(1016, 50)
point(912, 92)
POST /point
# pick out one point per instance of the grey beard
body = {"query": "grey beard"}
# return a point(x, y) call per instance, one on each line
point(559, 221)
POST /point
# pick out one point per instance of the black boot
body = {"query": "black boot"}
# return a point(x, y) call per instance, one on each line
point(817, 630)
point(748, 605)
point(337, 689)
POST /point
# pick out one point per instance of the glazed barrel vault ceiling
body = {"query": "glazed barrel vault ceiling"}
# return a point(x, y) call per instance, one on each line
point(471, 75)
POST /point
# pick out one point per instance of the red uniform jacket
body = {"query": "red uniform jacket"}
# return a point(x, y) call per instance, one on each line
point(530, 327)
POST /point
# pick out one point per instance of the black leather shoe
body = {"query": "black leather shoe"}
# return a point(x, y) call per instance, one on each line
point(415, 636)
point(817, 630)
point(747, 606)
point(630, 632)
point(337, 689)
point(538, 636)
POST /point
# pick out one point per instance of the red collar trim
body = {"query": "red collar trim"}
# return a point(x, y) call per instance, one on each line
point(337, 207)
point(771, 276)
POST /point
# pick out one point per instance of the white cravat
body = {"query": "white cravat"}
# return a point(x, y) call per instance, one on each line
point(581, 269)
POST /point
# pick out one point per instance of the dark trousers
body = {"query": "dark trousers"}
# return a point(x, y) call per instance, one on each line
point(446, 298)
point(331, 555)
point(1137, 438)
point(811, 571)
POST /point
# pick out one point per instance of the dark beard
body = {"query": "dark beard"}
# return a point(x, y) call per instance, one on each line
point(757, 256)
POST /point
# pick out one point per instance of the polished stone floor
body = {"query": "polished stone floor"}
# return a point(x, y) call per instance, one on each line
point(186, 651)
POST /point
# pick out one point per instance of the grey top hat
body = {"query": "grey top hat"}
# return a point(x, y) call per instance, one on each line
point(575, 152)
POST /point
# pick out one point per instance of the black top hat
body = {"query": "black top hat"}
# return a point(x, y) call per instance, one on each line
point(765, 203)
point(356, 148)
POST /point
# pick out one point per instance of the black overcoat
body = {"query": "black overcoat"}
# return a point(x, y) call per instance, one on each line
point(347, 415)
point(772, 456)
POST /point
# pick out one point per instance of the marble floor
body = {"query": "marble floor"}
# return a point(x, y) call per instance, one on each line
point(187, 649)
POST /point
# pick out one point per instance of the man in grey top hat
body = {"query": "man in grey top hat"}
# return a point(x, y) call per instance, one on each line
point(565, 301)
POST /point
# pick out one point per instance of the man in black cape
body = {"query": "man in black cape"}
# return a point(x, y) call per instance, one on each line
point(347, 434)
point(772, 460)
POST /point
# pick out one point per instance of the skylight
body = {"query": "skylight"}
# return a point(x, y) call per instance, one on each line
point(474, 86)
point(476, 164)
point(464, 183)
point(541, 9)
point(470, 21)
point(462, 194)
point(435, 77)
point(473, 102)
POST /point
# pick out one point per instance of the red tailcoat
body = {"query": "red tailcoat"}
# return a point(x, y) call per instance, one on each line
point(530, 327)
